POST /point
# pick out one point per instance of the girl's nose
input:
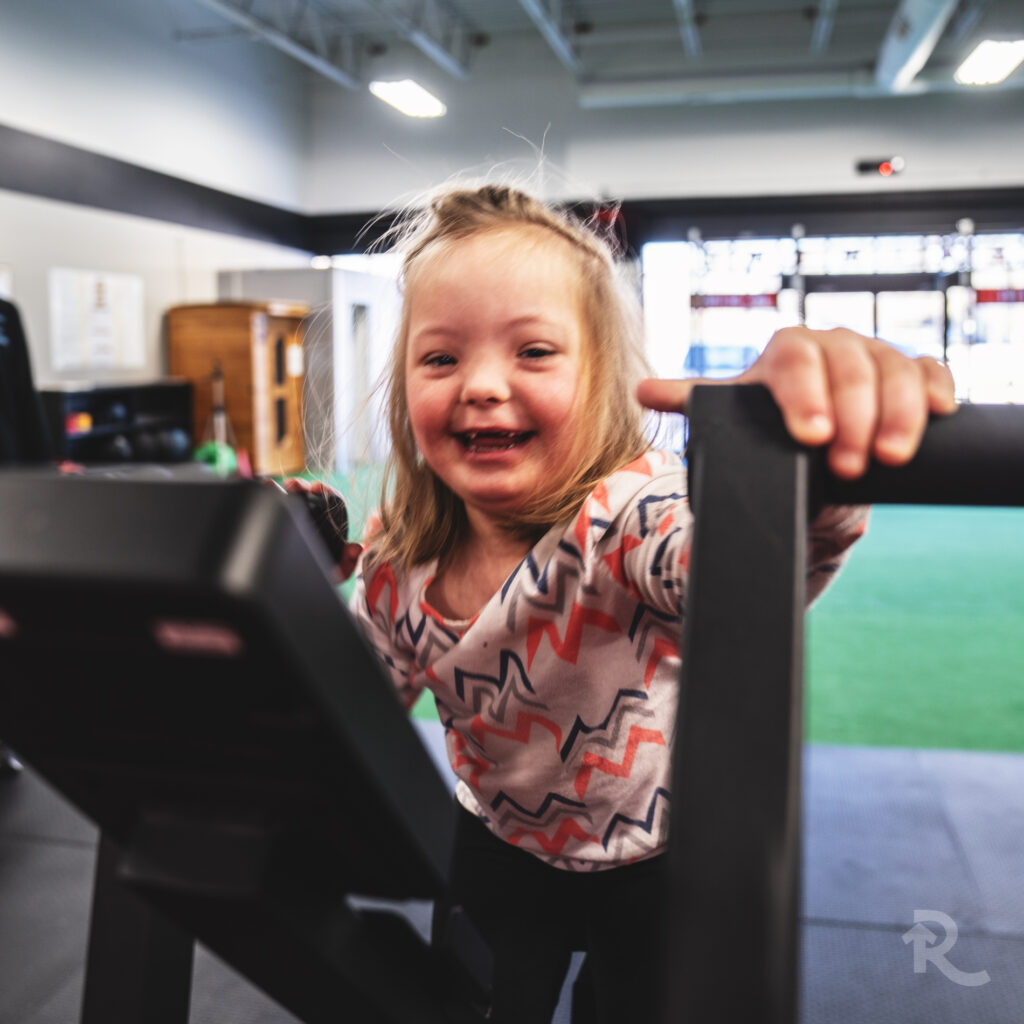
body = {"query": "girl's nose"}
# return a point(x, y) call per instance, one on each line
point(485, 383)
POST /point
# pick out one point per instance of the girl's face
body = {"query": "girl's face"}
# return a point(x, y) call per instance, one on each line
point(493, 365)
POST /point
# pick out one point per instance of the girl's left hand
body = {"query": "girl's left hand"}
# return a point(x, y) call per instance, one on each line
point(860, 396)
point(351, 551)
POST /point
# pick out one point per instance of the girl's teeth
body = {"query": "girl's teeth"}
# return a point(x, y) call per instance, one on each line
point(492, 441)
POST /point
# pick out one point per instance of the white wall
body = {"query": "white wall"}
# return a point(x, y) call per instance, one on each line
point(364, 156)
point(177, 265)
point(111, 77)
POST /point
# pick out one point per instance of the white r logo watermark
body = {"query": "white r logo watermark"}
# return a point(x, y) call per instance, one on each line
point(928, 948)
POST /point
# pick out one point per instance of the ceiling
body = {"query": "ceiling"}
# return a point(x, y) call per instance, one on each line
point(622, 53)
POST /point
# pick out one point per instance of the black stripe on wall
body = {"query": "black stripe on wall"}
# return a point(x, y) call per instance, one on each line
point(882, 212)
point(37, 166)
point(55, 170)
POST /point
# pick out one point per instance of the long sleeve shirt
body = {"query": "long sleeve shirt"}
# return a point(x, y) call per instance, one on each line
point(559, 697)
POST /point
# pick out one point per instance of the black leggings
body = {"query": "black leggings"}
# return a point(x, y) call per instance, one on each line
point(534, 916)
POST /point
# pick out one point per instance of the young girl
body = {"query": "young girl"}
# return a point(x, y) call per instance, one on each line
point(529, 568)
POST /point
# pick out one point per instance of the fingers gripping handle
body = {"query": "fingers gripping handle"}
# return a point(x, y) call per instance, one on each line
point(972, 457)
point(330, 517)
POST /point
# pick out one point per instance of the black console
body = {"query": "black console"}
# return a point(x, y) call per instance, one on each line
point(176, 661)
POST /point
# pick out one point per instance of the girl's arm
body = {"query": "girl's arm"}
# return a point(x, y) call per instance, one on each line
point(374, 604)
point(655, 550)
point(859, 395)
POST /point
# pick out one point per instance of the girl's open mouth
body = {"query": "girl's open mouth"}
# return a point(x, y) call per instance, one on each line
point(493, 440)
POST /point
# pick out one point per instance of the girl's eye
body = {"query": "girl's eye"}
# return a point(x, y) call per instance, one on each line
point(439, 359)
point(536, 352)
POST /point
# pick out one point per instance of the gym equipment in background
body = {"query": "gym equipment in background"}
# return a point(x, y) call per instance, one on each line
point(116, 423)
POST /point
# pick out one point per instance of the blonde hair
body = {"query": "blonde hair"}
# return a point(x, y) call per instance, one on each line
point(421, 518)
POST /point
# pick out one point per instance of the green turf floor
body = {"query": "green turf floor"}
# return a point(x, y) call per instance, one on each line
point(920, 642)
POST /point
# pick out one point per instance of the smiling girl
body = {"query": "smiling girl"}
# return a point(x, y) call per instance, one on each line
point(529, 568)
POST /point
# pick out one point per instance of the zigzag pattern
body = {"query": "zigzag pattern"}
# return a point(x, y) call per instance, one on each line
point(616, 562)
point(645, 824)
point(556, 603)
point(644, 507)
point(579, 726)
point(525, 721)
point(462, 756)
point(589, 595)
point(657, 566)
point(620, 769)
point(498, 709)
point(585, 524)
point(552, 802)
point(571, 551)
point(383, 577)
point(641, 465)
point(506, 658)
point(439, 640)
point(568, 829)
point(540, 578)
point(662, 648)
point(642, 616)
point(511, 677)
point(568, 649)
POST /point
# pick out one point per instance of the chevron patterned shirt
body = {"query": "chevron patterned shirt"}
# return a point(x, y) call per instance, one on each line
point(559, 697)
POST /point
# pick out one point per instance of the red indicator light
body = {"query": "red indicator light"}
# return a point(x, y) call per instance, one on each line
point(884, 167)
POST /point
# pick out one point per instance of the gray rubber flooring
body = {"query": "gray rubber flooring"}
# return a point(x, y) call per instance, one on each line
point(889, 834)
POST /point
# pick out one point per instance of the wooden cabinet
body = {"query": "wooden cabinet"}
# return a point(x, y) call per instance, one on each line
point(258, 346)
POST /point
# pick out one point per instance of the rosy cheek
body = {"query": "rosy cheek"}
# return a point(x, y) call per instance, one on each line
point(422, 416)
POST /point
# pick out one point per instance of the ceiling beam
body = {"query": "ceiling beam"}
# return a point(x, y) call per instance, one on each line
point(307, 37)
point(597, 94)
point(824, 23)
point(965, 19)
point(916, 27)
point(547, 15)
point(687, 18)
point(434, 28)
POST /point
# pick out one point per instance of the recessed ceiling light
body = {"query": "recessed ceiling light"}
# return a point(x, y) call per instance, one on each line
point(409, 97)
point(991, 61)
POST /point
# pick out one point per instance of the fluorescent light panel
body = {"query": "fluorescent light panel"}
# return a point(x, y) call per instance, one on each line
point(409, 97)
point(991, 61)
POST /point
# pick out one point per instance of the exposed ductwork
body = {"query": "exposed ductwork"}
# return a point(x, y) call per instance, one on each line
point(824, 22)
point(599, 95)
point(688, 31)
point(913, 32)
point(433, 28)
point(307, 39)
point(549, 16)
point(301, 30)
point(745, 54)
